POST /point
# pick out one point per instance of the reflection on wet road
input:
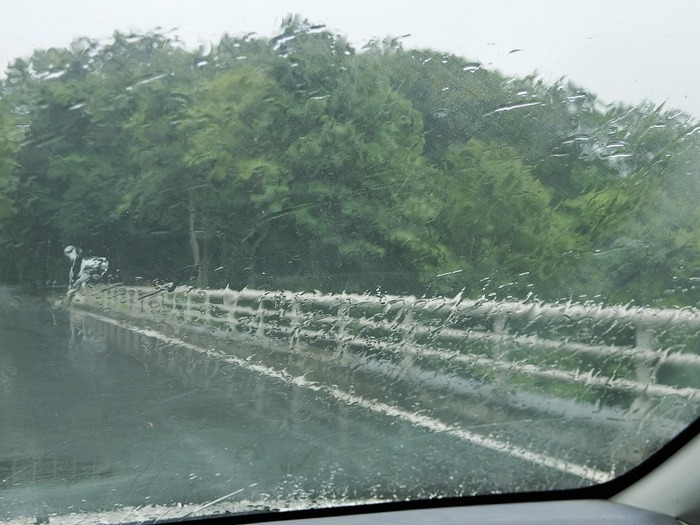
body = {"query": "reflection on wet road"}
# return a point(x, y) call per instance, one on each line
point(94, 417)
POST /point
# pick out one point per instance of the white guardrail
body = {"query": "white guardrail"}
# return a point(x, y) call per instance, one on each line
point(620, 348)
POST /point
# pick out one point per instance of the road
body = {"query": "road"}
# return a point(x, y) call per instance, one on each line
point(96, 418)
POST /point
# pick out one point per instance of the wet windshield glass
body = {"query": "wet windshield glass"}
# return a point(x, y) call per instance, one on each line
point(292, 256)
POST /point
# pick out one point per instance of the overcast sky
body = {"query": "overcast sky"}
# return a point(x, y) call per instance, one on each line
point(620, 49)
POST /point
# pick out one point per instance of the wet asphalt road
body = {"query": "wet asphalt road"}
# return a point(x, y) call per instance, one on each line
point(86, 426)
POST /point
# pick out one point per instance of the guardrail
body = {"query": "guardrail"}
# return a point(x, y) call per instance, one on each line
point(642, 353)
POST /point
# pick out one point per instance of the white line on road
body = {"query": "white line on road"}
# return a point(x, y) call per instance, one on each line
point(430, 423)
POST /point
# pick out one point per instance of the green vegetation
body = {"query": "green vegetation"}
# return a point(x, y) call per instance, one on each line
point(298, 162)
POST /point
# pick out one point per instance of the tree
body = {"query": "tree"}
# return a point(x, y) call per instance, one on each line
point(234, 181)
point(496, 219)
point(299, 162)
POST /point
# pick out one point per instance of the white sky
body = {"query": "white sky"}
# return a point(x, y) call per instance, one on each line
point(620, 49)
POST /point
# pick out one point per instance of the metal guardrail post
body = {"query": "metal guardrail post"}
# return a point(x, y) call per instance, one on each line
point(342, 331)
point(160, 302)
point(131, 300)
point(260, 317)
point(229, 300)
point(408, 337)
point(172, 303)
point(206, 309)
point(295, 324)
point(645, 367)
point(500, 349)
point(187, 310)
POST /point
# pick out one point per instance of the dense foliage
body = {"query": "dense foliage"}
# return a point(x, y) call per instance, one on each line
point(299, 162)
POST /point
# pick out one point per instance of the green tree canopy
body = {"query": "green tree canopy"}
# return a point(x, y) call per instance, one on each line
point(300, 162)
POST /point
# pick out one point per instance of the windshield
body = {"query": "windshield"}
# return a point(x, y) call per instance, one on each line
point(291, 255)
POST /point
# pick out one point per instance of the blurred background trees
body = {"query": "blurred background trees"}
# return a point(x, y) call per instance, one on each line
point(300, 162)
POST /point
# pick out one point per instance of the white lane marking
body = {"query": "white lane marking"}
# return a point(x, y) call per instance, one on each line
point(430, 423)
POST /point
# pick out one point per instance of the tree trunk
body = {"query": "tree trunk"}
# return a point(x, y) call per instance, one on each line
point(203, 273)
point(200, 252)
